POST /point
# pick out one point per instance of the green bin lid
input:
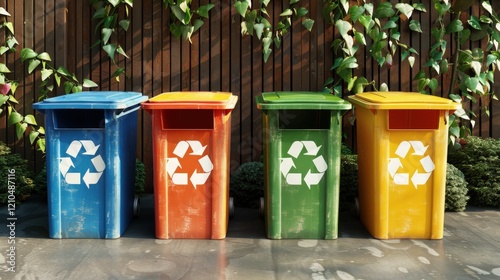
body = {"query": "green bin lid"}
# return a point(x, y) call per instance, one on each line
point(301, 100)
point(402, 100)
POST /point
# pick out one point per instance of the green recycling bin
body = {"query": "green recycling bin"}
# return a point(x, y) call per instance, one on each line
point(302, 141)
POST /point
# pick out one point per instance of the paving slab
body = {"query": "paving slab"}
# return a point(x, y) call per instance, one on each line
point(470, 249)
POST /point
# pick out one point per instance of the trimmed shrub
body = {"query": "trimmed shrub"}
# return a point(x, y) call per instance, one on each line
point(456, 189)
point(348, 181)
point(24, 184)
point(247, 184)
point(479, 160)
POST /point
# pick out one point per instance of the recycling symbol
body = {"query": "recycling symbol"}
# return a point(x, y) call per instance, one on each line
point(173, 164)
point(418, 178)
point(310, 150)
point(91, 177)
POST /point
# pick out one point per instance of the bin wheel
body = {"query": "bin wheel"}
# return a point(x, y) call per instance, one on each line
point(261, 207)
point(137, 206)
point(231, 207)
point(356, 207)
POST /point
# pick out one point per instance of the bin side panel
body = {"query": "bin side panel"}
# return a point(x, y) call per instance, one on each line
point(121, 138)
point(220, 173)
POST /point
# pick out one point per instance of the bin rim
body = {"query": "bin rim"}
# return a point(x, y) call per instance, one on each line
point(92, 100)
point(301, 100)
point(191, 100)
point(402, 100)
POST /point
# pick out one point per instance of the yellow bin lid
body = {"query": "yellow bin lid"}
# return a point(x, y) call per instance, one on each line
point(402, 100)
point(192, 100)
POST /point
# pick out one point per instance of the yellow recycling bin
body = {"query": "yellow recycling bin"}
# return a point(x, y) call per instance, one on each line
point(402, 141)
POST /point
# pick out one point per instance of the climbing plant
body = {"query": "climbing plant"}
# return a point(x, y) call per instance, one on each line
point(40, 62)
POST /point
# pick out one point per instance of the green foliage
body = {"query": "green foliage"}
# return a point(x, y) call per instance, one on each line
point(184, 20)
point(456, 190)
point(140, 177)
point(348, 181)
point(479, 160)
point(257, 21)
point(247, 184)
point(23, 183)
point(381, 24)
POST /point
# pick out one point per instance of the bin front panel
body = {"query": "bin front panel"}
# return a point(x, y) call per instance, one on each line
point(76, 179)
point(402, 167)
point(191, 173)
point(303, 183)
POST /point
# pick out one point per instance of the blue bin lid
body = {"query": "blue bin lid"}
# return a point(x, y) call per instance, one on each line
point(92, 100)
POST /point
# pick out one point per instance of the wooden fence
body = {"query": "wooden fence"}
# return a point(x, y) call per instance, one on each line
point(218, 59)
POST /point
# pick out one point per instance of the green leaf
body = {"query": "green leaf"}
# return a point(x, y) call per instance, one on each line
point(30, 119)
point(419, 7)
point(454, 26)
point(455, 97)
point(405, 9)
point(356, 12)
point(266, 54)
point(124, 24)
point(4, 12)
point(63, 71)
point(27, 53)
point(343, 27)
point(411, 61)
point(487, 6)
point(433, 84)
point(14, 118)
point(33, 65)
point(197, 24)
point(490, 59)
point(89, 83)
point(3, 50)
point(106, 34)
point(179, 14)
point(476, 66)
point(20, 129)
point(110, 50)
point(203, 10)
point(46, 73)
point(117, 73)
point(41, 145)
point(33, 136)
point(286, 13)
point(389, 25)
point(293, 1)
point(301, 12)
point(350, 83)
point(175, 29)
point(474, 23)
point(121, 51)
point(384, 10)
point(308, 24)
point(67, 87)
point(241, 7)
point(9, 26)
point(114, 2)
point(360, 38)
point(384, 87)
point(415, 26)
point(259, 29)
point(367, 22)
point(4, 68)
point(471, 83)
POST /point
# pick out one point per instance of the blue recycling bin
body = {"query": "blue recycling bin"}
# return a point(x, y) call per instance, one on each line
point(91, 154)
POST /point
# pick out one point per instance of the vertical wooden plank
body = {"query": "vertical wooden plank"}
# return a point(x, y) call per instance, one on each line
point(175, 64)
point(235, 40)
point(246, 98)
point(256, 86)
point(226, 45)
point(205, 68)
point(296, 55)
point(278, 55)
point(215, 47)
point(308, 62)
point(287, 55)
point(166, 51)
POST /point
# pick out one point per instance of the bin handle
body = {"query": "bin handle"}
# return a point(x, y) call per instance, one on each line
point(128, 110)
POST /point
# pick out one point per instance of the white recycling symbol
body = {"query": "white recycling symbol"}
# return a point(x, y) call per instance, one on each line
point(310, 150)
point(401, 178)
point(66, 163)
point(197, 178)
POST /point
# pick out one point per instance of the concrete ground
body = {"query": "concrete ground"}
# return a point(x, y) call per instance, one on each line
point(470, 249)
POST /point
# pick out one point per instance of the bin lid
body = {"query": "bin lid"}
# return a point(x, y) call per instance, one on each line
point(402, 100)
point(301, 100)
point(192, 100)
point(92, 100)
